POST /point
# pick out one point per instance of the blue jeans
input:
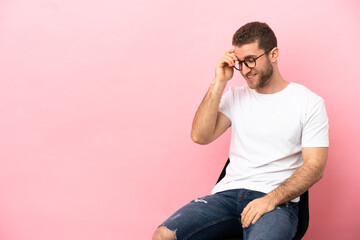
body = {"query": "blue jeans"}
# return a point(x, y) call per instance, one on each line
point(218, 216)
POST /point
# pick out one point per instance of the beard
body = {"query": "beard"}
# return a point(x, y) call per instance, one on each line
point(265, 76)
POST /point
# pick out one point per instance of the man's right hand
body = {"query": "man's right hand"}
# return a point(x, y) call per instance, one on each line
point(225, 67)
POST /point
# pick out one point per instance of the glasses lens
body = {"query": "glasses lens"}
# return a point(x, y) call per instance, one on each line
point(250, 62)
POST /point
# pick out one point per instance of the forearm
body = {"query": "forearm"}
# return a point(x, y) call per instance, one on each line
point(302, 179)
point(205, 118)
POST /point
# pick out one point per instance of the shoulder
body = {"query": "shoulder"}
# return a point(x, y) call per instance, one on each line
point(311, 105)
point(305, 94)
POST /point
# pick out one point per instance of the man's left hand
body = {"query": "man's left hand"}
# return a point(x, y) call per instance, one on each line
point(254, 210)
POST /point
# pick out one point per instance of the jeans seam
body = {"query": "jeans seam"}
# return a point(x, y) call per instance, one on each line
point(209, 225)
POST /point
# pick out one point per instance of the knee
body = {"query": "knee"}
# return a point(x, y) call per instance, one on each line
point(163, 233)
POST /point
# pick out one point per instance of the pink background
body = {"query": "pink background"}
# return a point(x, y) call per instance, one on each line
point(97, 100)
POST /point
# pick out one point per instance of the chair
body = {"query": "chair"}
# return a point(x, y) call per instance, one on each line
point(303, 211)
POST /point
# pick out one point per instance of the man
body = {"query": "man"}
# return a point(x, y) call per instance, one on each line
point(278, 147)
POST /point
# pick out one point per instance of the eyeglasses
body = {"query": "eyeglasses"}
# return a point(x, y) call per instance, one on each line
point(249, 62)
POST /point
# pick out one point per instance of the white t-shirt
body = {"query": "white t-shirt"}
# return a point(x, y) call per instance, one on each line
point(268, 133)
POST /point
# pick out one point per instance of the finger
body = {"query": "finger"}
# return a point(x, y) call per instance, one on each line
point(230, 51)
point(229, 61)
point(232, 56)
point(257, 217)
point(249, 217)
point(245, 214)
point(247, 220)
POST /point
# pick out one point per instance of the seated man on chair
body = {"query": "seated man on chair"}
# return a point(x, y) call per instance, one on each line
point(278, 150)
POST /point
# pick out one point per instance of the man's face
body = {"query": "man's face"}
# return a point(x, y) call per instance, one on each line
point(259, 76)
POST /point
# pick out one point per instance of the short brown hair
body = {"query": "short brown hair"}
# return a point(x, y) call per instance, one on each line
point(253, 31)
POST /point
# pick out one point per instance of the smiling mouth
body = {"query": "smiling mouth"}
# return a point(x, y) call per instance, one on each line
point(250, 77)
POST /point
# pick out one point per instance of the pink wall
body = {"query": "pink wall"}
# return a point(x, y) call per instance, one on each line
point(97, 99)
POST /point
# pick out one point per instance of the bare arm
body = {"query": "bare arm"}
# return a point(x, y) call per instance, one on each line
point(302, 179)
point(208, 123)
point(308, 174)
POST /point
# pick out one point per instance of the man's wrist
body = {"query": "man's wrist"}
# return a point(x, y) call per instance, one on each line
point(219, 84)
point(271, 198)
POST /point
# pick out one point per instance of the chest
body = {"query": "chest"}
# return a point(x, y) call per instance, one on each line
point(268, 121)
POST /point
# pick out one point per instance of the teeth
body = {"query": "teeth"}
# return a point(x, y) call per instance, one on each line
point(251, 76)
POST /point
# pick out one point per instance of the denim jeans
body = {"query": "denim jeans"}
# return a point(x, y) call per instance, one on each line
point(218, 216)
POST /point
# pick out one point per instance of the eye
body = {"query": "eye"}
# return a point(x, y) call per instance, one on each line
point(249, 60)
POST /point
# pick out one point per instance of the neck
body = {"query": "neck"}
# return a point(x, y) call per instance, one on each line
point(275, 84)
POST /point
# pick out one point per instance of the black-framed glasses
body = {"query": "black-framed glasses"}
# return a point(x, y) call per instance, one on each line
point(250, 62)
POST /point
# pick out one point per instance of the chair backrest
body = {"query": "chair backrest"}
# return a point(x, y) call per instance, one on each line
point(303, 223)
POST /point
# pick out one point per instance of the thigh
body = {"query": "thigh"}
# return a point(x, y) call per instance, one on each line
point(209, 217)
point(280, 224)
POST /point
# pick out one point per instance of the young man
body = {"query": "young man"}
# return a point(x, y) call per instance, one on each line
point(278, 147)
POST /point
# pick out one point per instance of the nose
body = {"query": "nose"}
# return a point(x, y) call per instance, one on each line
point(245, 69)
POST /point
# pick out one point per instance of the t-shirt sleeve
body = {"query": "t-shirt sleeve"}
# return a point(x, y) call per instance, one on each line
point(225, 103)
point(316, 129)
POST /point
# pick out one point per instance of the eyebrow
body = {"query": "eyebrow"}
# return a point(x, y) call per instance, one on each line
point(248, 56)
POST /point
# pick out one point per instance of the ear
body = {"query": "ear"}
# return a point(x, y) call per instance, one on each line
point(274, 54)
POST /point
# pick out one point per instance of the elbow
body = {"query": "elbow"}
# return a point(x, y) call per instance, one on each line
point(198, 139)
point(320, 176)
point(321, 172)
